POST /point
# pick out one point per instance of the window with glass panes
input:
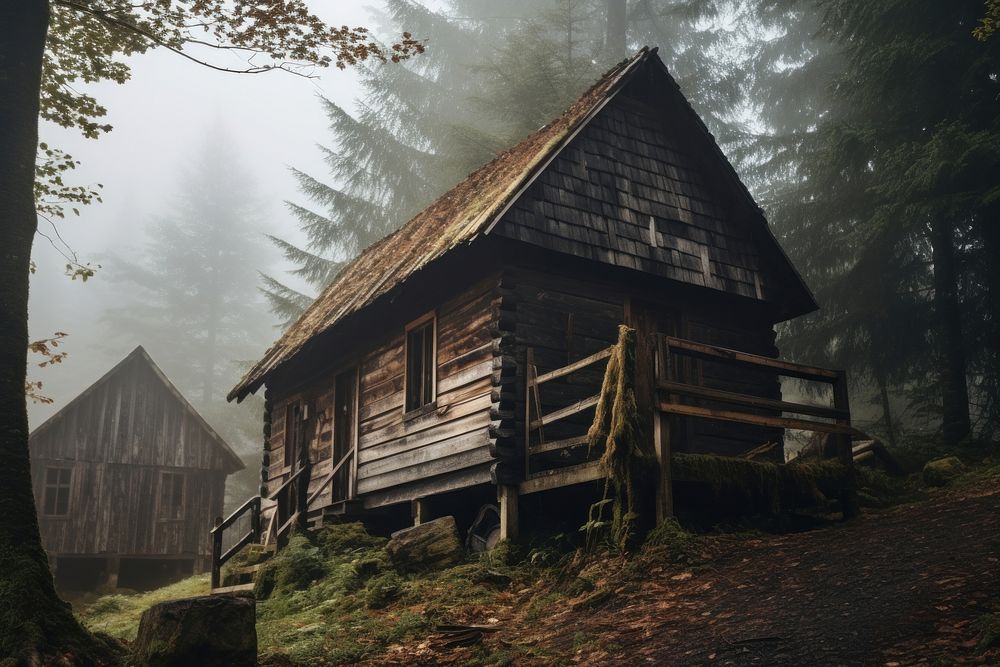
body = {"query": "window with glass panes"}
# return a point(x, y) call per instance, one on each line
point(57, 487)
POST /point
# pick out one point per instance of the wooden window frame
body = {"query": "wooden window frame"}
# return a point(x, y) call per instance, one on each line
point(422, 321)
point(68, 486)
point(160, 508)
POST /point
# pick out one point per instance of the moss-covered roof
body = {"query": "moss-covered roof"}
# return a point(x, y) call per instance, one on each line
point(455, 218)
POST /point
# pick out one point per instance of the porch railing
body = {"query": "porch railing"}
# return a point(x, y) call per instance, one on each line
point(676, 396)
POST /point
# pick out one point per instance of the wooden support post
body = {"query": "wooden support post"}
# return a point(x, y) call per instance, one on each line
point(664, 484)
point(419, 511)
point(113, 567)
point(661, 435)
point(845, 450)
point(507, 494)
point(217, 554)
point(530, 375)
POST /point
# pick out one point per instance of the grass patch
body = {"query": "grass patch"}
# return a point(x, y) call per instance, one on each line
point(118, 615)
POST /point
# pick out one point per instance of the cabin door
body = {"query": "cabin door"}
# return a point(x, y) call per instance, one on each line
point(296, 456)
point(345, 435)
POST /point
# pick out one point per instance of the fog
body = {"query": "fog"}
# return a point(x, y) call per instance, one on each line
point(161, 118)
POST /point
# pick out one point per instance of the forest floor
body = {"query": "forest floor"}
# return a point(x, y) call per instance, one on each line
point(916, 584)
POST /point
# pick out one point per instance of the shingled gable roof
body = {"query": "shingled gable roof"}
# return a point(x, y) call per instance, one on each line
point(470, 209)
point(140, 354)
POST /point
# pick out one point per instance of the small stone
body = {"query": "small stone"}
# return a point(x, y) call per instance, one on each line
point(940, 472)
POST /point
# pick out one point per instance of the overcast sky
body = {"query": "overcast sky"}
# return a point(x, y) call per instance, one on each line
point(160, 119)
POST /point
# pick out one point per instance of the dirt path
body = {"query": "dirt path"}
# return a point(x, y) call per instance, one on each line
point(896, 588)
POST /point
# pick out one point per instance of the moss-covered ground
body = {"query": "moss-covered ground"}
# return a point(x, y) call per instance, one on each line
point(332, 597)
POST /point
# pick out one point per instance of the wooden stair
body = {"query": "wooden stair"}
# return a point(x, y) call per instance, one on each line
point(336, 512)
point(241, 577)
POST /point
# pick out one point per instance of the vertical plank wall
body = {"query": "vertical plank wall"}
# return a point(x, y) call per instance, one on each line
point(117, 438)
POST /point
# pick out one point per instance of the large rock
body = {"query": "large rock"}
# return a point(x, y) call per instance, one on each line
point(940, 472)
point(429, 546)
point(211, 630)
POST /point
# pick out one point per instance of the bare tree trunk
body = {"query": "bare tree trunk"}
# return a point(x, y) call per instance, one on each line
point(614, 42)
point(35, 625)
point(956, 424)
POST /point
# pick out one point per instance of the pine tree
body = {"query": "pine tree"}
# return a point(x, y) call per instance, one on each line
point(192, 299)
point(877, 186)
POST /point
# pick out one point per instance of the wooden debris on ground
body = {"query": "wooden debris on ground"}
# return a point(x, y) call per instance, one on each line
point(450, 636)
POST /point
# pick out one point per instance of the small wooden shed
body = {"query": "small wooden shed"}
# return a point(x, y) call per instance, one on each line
point(461, 354)
point(128, 478)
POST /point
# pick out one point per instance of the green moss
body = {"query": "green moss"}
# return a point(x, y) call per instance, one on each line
point(346, 538)
point(773, 486)
point(987, 629)
point(942, 472)
point(627, 457)
point(293, 568)
point(382, 590)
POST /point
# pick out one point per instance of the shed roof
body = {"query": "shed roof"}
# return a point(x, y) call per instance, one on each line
point(467, 211)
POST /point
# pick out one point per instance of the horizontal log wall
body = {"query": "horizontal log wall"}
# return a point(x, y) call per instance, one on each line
point(430, 450)
point(403, 457)
point(712, 326)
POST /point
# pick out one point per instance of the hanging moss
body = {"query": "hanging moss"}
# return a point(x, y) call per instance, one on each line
point(780, 486)
point(627, 454)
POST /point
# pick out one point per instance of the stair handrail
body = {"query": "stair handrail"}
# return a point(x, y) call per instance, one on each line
point(218, 557)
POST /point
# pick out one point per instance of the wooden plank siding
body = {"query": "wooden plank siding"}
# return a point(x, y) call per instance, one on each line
point(99, 522)
point(402, 456)
point(118, 437)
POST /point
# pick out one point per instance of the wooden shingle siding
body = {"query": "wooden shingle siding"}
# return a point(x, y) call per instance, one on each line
point(624, 192)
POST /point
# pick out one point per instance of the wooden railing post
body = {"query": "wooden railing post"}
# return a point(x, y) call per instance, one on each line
point(217, 553)
point(530, 377)
point(845, 453)
point(661, 435)
point(302, 493)
point(255, 520)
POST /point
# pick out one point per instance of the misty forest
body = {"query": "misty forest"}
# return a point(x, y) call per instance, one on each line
point(499, 333)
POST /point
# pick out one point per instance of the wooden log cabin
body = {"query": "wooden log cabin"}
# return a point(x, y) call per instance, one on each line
point(457, 359)
point(127, 479)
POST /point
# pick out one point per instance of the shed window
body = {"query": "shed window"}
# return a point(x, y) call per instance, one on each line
point(171, 495)
point(420, 366)
point(57, 484)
